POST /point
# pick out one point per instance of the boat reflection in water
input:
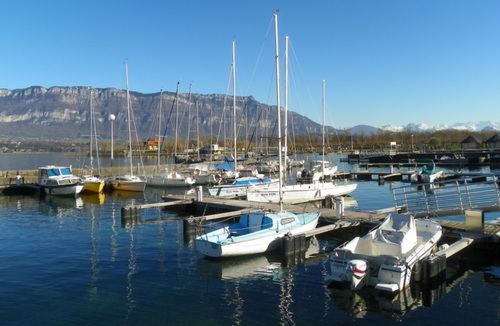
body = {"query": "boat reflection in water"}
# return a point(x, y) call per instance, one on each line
point(268, 265)
point(93, 198)
point(390, 306)
point(273, 267)
point(63, 204)
point(368, 300)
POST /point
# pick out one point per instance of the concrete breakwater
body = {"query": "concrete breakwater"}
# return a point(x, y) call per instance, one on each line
point(31, 176)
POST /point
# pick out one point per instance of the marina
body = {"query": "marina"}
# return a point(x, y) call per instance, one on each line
point(130, 258)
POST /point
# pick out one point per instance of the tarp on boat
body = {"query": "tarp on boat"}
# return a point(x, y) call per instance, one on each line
point(224, 166)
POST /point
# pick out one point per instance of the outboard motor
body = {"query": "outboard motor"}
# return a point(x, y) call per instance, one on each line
point(356, 273)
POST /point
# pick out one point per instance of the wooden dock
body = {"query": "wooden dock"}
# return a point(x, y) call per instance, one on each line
point(220, 208)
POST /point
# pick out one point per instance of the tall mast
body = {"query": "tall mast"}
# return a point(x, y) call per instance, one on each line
point(285, 136)
point(277, 63)
point(91, 117)
point(159, 132)
point(129, 115)
point(176, 119)
point(234, 107)
point(323, 132)
point(197, 131)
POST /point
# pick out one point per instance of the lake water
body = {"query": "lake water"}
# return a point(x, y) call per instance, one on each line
point(69, 261)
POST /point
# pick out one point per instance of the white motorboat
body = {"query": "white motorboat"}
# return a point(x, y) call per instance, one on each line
point(59, 181)
point(428, 174)
point(299, 193)
point(255, 233)
point(385, 257)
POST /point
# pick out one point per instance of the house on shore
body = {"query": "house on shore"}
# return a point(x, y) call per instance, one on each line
point(493, 143)
point(471, 142)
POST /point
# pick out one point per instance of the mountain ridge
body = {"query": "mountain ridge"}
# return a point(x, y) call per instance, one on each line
point(62, 112)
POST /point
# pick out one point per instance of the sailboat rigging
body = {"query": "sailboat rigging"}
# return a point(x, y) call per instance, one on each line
point(128, 182)
point(91, 183)
point(261, 231)
point(240, 184)
point(300, 192)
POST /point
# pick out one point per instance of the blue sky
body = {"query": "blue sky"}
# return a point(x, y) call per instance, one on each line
point(385, 62)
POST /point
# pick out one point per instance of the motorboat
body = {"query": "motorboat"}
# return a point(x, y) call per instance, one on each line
point(386, 256)
point(300, 192)
point(320, 170)
point(428, 174)
point(59, 181)
point(254, 233)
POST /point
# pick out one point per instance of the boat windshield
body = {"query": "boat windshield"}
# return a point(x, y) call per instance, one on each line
point(53, 172)
point(66, 171)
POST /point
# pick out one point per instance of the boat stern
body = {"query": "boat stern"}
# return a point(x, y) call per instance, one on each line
point(392, 278)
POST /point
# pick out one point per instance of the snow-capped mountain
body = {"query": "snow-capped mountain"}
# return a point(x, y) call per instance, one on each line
point(471, 126)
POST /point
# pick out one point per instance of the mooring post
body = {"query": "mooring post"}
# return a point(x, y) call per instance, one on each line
point(339, 207)
point(130, 211)
point(474, 220)
point(199, 193)
point(293, 244)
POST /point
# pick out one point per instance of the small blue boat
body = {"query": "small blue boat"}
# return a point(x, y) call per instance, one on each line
point(255, 233)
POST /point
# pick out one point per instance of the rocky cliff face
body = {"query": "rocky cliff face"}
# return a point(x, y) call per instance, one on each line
point(63, 113)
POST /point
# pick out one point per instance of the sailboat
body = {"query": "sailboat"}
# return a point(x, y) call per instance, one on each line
point(167, 178)
point(128, 182)
point(302, 192)
point(258, 232)
point(91, 183)
point(240, 185)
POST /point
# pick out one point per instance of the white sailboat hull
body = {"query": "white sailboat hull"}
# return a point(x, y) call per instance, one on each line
point(237, 190)
point(128, 183)
point(168, 181)
point(299, 193)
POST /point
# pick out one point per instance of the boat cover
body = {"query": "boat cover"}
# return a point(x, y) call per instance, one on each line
point(397, 235)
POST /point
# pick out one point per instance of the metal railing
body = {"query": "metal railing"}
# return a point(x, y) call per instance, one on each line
point(448, 197)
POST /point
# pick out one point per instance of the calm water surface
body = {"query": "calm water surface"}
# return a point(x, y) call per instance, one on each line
point(71, 261)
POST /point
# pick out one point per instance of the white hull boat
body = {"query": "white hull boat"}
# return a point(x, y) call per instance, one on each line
point(255, 233)
point(299, 193)
point(385, 257)
point(428, 174)
point(320, 171)
point(128, 183)
point(59, 181)
point(169, 179)
point(240, 186)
